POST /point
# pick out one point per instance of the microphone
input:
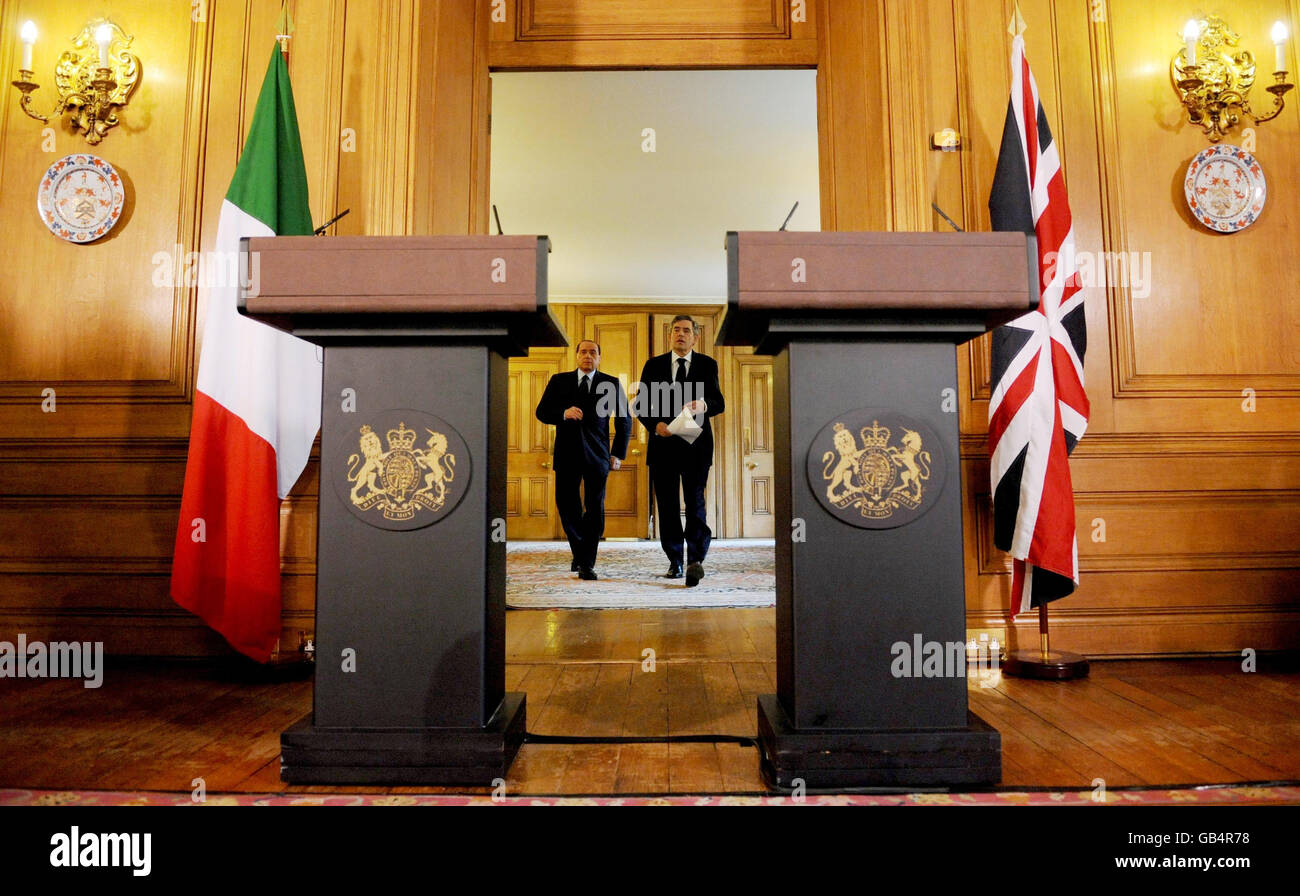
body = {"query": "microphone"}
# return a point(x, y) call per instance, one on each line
point(320, 231)
point(788, 217)
point(935, 206)
point(500, 232)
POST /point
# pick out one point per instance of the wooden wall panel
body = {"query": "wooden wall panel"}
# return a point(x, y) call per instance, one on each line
point(449, 150)
point(379, 97)
point(852, 81)
point(1212, 322)
point(553, 34)
point(635, 19)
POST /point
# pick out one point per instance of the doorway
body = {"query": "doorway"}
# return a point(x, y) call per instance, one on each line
point(636, 176)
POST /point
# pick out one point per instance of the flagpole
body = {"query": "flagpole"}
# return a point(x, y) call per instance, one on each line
point(1042, 632)
point(1045, 663)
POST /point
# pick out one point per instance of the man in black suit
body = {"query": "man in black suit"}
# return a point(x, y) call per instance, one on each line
point(579, 404)
point(682, 378)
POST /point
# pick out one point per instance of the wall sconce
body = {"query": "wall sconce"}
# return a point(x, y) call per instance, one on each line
point(92, 85)
point(1213, 76)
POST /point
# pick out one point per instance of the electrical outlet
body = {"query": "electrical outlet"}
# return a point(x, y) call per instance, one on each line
point(987, 641)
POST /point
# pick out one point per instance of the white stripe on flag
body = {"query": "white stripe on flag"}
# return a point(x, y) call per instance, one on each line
point(1040, 418)
point(1033, 322)
point(267, 378)
point(1072, 421)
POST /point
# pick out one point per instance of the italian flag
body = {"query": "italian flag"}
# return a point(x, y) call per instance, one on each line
point(257, 404)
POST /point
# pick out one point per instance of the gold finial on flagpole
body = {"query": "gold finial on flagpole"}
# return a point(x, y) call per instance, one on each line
point(1017, 25)
point(285, 27)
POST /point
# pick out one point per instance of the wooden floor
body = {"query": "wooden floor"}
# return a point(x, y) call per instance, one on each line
point(1132, 723)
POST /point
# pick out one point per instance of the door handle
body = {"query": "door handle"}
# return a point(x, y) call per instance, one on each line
point(636, 450)
point(546, 465)
point(750, 465)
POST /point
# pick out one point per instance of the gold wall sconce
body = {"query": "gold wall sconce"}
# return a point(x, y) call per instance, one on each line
point(94, 78)
point(1213, 76)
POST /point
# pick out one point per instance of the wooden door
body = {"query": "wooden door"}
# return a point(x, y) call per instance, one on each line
point(751, 384)
point(530, 483)
point(624, 341)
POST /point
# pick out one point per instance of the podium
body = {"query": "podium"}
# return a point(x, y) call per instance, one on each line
point(870, 613)
point(411, 550)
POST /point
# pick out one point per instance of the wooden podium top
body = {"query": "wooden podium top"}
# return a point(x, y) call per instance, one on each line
point(990, 278)
point(330, 288)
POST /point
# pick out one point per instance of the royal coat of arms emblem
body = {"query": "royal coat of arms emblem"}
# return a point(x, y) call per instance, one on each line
point(412, 481)
point(872, 478)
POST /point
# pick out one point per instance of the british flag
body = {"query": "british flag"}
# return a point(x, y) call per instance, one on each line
point(1038, 409)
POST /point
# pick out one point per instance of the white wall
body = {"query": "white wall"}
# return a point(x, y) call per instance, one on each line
point(733, 151)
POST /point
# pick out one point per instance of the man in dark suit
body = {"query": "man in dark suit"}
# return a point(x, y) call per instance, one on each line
point(682, 378)
point(579, 404)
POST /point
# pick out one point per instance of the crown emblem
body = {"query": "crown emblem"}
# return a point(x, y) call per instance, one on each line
point(879, 437)
point(401, 439)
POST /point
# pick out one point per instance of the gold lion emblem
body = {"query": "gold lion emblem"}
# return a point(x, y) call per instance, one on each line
point(877, 478)
point(390, 480)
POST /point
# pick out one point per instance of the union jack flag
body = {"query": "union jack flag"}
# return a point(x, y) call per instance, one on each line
point(1038, 409)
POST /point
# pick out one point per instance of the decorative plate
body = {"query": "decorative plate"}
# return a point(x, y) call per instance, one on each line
point(80, 198)
point(1225, 188)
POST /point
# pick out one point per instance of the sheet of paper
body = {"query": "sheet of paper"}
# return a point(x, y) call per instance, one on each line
point(684, 425)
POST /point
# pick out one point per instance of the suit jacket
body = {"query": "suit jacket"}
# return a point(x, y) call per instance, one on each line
point(584, 443)
point(658, 402)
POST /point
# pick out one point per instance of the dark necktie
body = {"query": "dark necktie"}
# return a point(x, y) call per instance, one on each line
point(584, 389)
point(681, 370)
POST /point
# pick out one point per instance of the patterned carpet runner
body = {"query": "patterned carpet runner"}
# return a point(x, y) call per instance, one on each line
point(738, 573)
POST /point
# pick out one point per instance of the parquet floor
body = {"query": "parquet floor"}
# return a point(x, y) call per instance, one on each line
point(1132, 723)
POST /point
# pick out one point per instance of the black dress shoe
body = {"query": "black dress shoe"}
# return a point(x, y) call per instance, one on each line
point(573, 566)
point(694, 573)
point(674, 571)
point(586, 573)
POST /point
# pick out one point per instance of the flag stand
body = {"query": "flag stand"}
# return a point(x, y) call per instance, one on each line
point(1045, 663)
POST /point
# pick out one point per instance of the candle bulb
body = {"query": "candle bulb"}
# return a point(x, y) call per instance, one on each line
point(28, 35)
point(1191, 34)
point(103, 37)
point(1279, 46)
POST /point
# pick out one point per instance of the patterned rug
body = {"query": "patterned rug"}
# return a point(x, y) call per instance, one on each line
point(738, 573)
point(1273, 794)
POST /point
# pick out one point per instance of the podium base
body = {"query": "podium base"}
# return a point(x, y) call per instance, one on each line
point(893, 758)
point(311, 755)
